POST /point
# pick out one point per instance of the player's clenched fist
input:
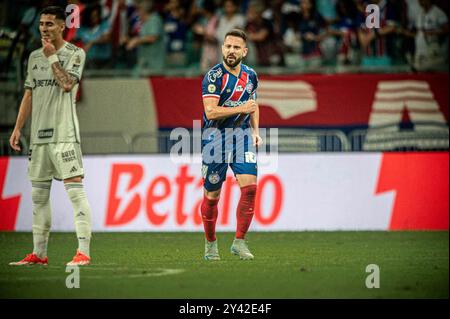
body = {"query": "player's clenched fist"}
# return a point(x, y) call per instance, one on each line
point(249, 107)
point(14, 140)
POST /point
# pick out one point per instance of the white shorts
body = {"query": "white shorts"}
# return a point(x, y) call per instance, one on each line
point(54, 160)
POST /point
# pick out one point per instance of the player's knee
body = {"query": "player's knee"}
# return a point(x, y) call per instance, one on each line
point(75, 191)
point(212, 195)
point(249, 191)
point(210, 202)
point(41, 229)
point(248, 196)
point(209, 209)
point(76, 179)
point(40, 193)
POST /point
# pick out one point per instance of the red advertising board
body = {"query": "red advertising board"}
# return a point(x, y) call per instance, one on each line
point(339, 100)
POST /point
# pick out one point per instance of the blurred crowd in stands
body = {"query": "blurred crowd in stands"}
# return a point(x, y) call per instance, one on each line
point(159, 34)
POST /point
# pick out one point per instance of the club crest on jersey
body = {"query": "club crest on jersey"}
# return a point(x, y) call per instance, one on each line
point(211, 88)
point(214, 178)
point(239, 88)
point(213, 75)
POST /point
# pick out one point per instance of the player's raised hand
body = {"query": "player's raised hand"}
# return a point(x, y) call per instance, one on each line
point(14, 140)
point(49, 48)
point(249, 107)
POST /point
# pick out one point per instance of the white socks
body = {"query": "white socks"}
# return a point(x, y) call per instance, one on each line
point(42, 216)
point(82, 212)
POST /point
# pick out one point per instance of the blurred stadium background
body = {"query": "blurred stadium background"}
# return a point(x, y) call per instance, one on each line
point(362, 118)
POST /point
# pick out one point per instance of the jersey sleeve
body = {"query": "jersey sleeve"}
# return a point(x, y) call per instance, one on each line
point(211, 84)
point(255, 85)
point(76, 64)
point(29, 79)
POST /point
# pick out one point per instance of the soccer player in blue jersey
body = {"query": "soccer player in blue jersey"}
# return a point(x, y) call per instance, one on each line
point(230, 137)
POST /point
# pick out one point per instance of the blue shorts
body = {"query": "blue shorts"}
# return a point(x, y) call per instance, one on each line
point(218, 154)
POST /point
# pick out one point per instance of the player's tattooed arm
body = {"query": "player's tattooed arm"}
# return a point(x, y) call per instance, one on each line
point(65, 80)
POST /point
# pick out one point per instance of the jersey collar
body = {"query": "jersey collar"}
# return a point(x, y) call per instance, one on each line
point(225, 69)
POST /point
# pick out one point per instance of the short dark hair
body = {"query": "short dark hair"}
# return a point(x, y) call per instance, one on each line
point(237, 33)
point(58, 12)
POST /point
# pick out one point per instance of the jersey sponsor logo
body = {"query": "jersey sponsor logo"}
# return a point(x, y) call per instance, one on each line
point(213, 75)
point(233, 103)
point(47, 133)
point(211, 88)
point(68, 157)
point(44, 83)
point(238, 90)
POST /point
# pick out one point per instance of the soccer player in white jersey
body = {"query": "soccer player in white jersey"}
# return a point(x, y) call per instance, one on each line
point(50, 88)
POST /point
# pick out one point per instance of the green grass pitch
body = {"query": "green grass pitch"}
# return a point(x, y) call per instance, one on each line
point(286, 265)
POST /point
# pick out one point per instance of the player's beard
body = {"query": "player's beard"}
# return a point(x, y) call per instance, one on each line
point(234, 64)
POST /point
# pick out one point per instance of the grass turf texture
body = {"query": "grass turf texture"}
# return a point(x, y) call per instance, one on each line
point(286, 265)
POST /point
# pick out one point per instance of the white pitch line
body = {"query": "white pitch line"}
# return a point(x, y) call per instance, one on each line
point(148, 273)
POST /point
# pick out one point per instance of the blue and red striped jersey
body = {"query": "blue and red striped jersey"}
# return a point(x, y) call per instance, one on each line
point(231, 91)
